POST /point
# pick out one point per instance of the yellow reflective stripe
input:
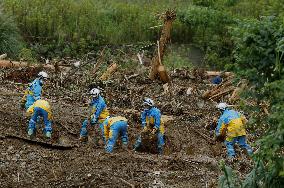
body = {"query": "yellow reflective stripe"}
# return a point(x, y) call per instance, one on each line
point(106, 132)
point(104, 114)
point(113, 120)
point(30, 110)
point(110, 134)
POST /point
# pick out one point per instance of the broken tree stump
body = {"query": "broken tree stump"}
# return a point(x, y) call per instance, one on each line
point(168, 17)
point(111, 69)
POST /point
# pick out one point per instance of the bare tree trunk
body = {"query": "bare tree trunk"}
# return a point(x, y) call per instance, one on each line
point(168, 18)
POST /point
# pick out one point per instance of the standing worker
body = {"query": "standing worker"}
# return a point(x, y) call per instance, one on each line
point(151, 121)
point(40, 108)
point(113, 127)
point(98, 114)
point(34, 91)
point(231, 124)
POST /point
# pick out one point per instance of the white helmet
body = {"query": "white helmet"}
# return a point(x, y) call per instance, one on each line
point(42, 74)
point(95, 92)
point(222, 106)
point(149, 102)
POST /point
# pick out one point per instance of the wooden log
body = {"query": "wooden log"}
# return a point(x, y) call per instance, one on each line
point(111, 69)
point(218, 73)
point(3, 56)
point(222, 93)
point(40, 143)
point(18, 64)
point(217, 89)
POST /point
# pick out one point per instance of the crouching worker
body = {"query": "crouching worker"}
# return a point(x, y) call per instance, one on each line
point(231, 124)
point(40, 108)
point(99, 112)
point(113, 127)
point(151, 121)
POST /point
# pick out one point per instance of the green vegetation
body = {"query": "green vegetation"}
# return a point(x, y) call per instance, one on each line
point(9, 36)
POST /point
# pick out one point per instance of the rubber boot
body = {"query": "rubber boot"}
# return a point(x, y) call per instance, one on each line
point(48, 134)
point(31, 133)
point(160, 151)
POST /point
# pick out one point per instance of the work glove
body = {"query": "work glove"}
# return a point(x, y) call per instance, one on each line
point(93, 120)
point(154, 131)
point(145, 129)
point(22, 105)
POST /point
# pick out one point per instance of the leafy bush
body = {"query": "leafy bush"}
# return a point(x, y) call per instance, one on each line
point(256, 47)
point(9, 36)
point(258, 54)
point(210, 32)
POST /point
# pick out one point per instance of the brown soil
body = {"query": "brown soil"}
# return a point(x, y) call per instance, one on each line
point(189, 160)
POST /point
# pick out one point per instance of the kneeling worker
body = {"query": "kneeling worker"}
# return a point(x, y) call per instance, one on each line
point(113, 127)
point(40, 108)
point(151, 121)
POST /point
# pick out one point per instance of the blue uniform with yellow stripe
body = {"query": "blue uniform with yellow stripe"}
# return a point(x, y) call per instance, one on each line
point(99, 112)
point(113, 126)
point(33, 93)
point(40, 108)
point(232, 125)
point(151, 118)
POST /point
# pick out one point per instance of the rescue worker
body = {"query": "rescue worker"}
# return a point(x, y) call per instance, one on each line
point(231, 124)
point(40, 108)
point(34, 91)
point(113, 127)
point(151, 121)
point(98, 114)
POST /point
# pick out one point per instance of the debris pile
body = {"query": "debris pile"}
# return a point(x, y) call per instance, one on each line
point(190, 158)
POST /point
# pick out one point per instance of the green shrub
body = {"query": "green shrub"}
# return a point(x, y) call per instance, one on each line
point(10, 41)
point(258, 50)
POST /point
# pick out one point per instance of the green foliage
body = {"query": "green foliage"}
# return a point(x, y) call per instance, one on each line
point(257, 44)
point(229, 179)
point(9, 36)
point(27, 55)
point(269, 166)
point(177, 57)
point(210, 32)
point(205, 3)
point(258, 53)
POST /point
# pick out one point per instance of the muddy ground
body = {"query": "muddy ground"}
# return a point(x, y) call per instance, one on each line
point(190, 160)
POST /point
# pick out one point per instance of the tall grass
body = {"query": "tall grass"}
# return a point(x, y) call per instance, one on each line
point(71, 26)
